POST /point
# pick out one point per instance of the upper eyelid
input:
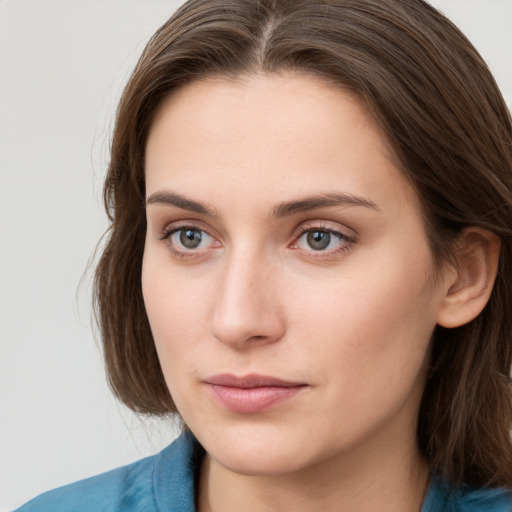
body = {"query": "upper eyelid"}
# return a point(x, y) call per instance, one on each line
point(173, 247)
point(342, 236)
point(334, 232)
point(333, 227)
point(172, 227)
point(320, 225)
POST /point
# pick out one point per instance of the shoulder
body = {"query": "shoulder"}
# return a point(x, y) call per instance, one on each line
point(481, 500)
point(111, 491)
point(165, 478)
point(441, 497)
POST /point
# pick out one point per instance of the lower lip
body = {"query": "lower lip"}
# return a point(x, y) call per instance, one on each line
point(252, 400)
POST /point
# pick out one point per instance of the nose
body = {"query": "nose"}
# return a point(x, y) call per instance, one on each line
point(248, 310)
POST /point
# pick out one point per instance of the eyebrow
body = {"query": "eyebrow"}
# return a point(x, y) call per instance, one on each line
point(172, 199)
point(308, 204)
point(284, 209)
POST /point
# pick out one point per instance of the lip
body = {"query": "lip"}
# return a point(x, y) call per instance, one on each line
point(251, 393)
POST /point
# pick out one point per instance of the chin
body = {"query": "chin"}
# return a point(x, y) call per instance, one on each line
point(260, 462)
point(257, 449)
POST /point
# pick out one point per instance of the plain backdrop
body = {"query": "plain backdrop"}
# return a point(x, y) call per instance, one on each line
point(63, 64)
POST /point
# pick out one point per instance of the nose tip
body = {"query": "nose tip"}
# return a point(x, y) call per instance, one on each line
point(247, 310)
point(239, 336)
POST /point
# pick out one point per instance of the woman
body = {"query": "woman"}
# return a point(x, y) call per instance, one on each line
point(309, 262)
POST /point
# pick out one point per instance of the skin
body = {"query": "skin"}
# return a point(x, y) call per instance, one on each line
point(352, 322)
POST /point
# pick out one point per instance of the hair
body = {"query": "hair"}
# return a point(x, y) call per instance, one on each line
point(450, 131)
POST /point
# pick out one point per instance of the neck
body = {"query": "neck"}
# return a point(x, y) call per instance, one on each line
point(395, 481)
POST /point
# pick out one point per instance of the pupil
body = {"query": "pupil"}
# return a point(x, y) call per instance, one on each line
point(190, 238)
point(318, 240)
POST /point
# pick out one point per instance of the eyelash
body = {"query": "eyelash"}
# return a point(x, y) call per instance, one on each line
point(171, 230)
point(347, 241)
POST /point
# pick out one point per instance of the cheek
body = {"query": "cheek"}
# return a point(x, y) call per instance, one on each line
point(177, 308)
point(175, 316)
point(367, 299)
point(370, 328)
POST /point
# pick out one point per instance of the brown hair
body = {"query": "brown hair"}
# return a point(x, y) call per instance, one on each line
point(451, 132)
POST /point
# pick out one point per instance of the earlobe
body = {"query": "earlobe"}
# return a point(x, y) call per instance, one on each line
point(470, 286)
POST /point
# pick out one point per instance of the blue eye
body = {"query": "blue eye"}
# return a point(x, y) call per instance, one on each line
point(189, 238)
point(318, 240)
point(321, 240)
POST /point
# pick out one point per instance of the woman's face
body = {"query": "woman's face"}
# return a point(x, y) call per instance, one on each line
point(287, 278)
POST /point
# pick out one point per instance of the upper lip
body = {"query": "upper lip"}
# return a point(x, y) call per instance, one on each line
point(250, 381)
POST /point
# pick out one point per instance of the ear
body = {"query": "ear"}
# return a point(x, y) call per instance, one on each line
point(470, 282)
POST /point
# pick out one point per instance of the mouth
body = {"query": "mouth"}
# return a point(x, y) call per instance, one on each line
point(251, 393)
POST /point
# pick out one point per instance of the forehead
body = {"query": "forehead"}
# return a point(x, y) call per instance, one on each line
point(278, 134)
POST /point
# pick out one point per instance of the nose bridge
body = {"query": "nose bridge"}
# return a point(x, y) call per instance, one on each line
point(247, 302)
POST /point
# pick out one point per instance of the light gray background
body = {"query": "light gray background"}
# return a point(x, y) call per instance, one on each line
point(62, 66)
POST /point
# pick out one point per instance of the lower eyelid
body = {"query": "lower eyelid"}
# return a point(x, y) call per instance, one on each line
point(346, 241)
point(183, 252)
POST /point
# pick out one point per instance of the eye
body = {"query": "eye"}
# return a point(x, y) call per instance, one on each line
point(188, 239)
point(322, 240)
point(318, 240)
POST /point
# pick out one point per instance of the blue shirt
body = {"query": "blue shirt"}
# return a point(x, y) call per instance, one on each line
point(165, 482)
